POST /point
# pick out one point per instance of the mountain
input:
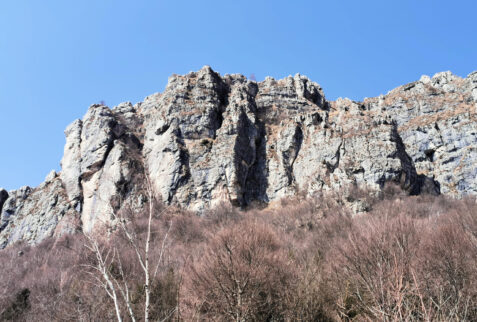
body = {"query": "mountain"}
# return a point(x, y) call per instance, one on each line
point(209, 139)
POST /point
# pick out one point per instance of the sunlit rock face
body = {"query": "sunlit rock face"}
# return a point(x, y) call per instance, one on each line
point(210, 138)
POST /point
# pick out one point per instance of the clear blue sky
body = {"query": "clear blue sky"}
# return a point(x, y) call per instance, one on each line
point(58, 57)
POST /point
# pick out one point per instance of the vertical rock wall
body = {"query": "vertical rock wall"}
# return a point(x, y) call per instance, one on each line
point(208, 139)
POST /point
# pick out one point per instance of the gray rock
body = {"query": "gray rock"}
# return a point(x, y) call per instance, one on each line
point(96, 139)
point(51, 176)
point(71, 162)
point(208, 139)
point(31, 215)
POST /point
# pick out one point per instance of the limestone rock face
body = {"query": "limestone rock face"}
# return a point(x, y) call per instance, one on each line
point(102, 156)
point(70, 164)
point(210, 138)
point(437, 121)
point(200, 138)
point(30, 215)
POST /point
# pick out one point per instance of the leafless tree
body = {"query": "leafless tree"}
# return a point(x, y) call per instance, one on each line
point(107, 268)
point(242, 276)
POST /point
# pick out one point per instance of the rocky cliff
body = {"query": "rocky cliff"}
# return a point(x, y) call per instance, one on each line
point(209, 138)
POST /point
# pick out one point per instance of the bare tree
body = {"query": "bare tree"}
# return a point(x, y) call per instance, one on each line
point(104, 278)
point(107, 268)
point(242, 275)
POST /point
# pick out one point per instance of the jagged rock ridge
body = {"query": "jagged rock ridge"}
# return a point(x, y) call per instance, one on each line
point(208, 139)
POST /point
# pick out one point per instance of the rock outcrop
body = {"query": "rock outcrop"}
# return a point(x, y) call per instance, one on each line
point(209, 138)
point(30, 215)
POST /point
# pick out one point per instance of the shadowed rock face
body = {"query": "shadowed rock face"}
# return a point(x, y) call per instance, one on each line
point(208, 139)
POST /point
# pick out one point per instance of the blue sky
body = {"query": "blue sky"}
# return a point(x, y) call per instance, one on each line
point(58, 57)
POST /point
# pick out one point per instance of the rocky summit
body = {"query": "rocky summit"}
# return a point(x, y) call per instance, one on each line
point(209, 139)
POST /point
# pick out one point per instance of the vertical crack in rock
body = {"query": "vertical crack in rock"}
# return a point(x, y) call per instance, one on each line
point(290, 154)
point(4, 218)
point(409, 179)
point(244, 156)
point(183, 174)
point(408, 176)
point(223, 94)
point(3, 198)
point(219, 117)
point(257, 180)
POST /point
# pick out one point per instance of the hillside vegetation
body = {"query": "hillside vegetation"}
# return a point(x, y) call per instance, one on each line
point(299, 259)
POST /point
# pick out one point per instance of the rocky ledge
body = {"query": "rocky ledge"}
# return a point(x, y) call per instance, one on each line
point(210, 138)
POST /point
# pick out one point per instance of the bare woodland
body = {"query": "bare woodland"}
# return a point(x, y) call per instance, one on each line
point(301, 259)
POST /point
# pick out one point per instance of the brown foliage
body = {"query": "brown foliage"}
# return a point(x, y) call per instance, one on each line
point(301, 259)
point(242, 275)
